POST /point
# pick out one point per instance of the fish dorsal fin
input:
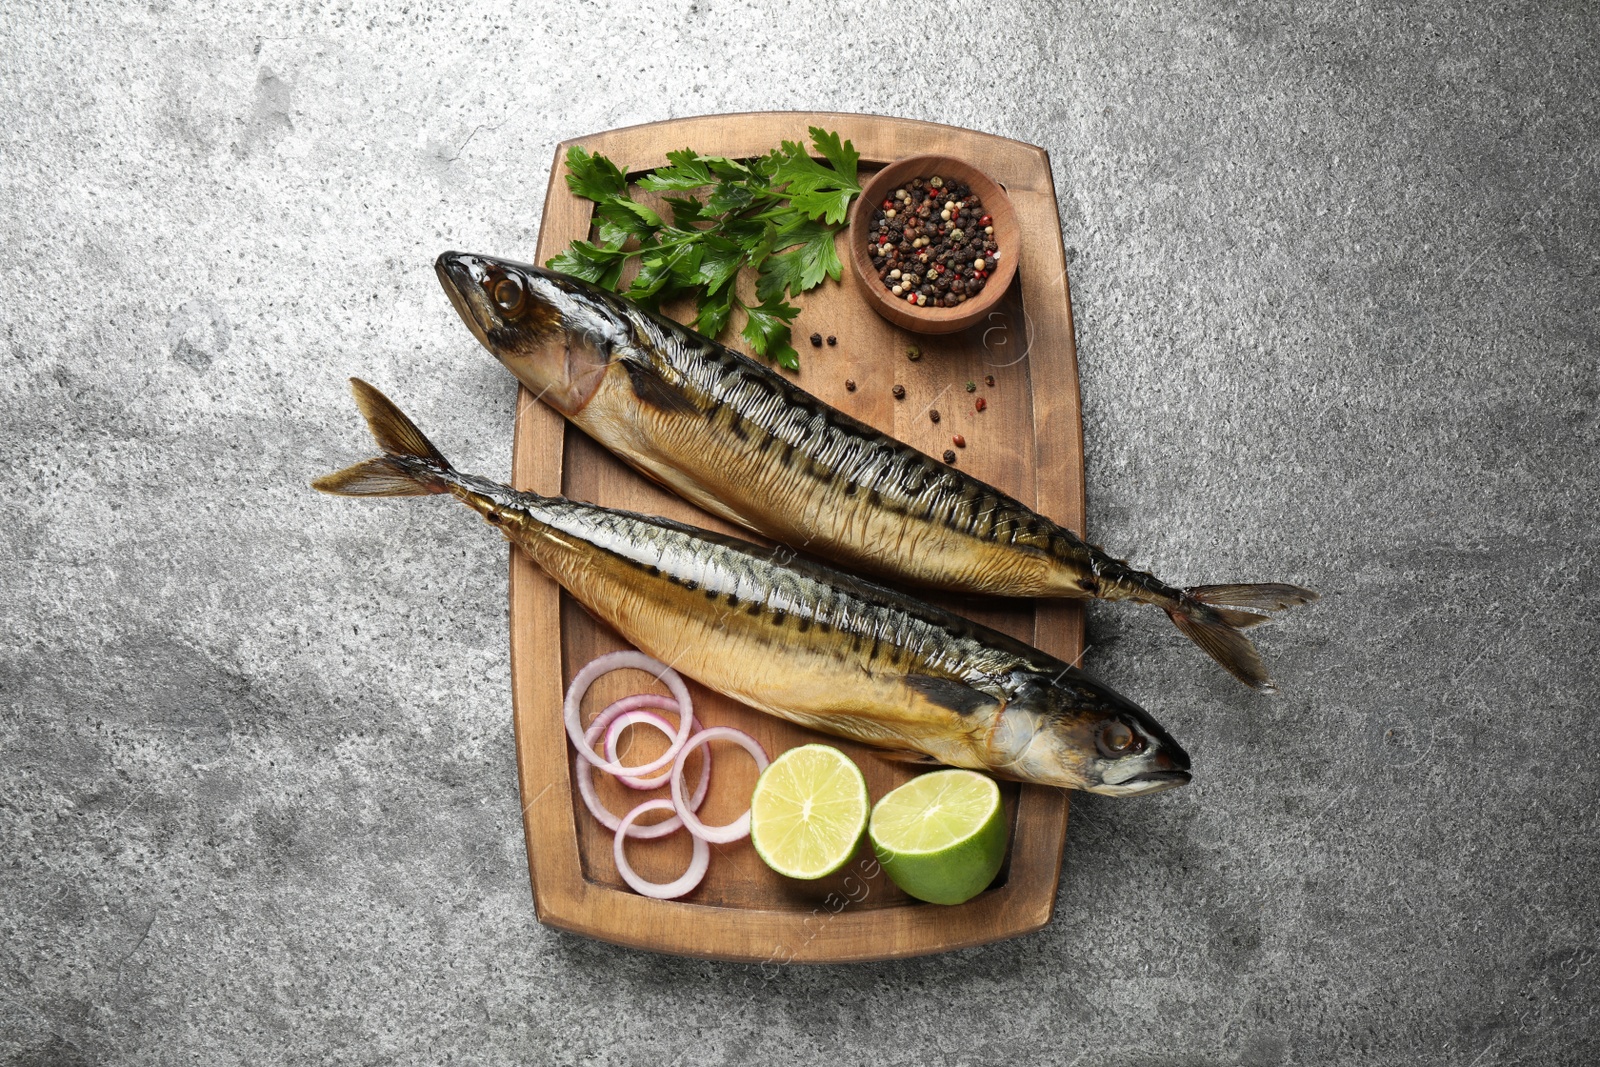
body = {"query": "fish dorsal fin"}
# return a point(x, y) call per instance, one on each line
point(951, 693)
point(651, 388)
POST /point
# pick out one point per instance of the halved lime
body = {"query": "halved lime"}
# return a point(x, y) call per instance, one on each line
point(808, 811)
point(941, 836)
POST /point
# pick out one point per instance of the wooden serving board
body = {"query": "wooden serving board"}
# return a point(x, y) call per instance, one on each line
point(1028, 441)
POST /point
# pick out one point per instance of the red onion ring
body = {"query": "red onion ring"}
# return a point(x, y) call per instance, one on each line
point(740, 827)
point(633, 717)
point(612, 661)
point(699, 860)
point(584, 773)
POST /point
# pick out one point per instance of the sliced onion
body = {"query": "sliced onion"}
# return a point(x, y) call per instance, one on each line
point(698, 860)
point(740, 827)
point(636, 717)
point(584, 773)
point(613, 661)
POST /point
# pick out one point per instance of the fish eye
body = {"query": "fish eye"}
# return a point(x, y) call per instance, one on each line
point(508, 294)
point(1118, 739)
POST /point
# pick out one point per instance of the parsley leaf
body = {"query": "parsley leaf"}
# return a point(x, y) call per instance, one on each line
point(818, 191)
point(664, 271)
point(818, 257)
point(843, 156)
point(768, 332)
point(592, 263)
point(593, 177)
point(720, 262)
point(779, 274)
point(615, 221)
point(729, 198)
point(685, 209)
point(687, 171)
point(829, 204)
point(712, 317)
point(796, 169)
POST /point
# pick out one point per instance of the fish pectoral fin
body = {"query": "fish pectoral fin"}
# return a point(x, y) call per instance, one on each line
point(900, 755)
point(952, 693)
point(651, 388)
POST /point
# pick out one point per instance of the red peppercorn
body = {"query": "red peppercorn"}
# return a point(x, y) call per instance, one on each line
point(985, 221)
point(980, 403)
point(959, 441)
point(887, 204)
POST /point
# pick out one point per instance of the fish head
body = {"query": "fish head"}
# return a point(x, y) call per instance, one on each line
point(1085, 737)
point(556, 334)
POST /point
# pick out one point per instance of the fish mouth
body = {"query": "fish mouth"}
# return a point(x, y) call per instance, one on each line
point(1165, 768)
point(1143, 783)
point(462, 275)
point(1156, 781)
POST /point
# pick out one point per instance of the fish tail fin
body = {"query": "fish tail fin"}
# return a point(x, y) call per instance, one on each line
point(1214, 616)
point(411, 465)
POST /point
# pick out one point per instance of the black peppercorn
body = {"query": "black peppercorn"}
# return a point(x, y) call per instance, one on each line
point(934, 414)
point(899, 392)
point(816, 340)
point(850, 385)
point(949, 456)
point(832, 340)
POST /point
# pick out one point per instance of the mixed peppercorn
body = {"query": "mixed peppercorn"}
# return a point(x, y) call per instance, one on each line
point(933, 243)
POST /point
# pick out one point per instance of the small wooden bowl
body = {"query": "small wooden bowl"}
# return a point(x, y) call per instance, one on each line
point(1007, 233)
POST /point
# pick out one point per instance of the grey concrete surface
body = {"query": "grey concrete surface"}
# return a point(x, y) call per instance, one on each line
point(1334, 272)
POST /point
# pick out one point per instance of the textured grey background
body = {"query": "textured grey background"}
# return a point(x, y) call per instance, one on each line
point(1334, 273)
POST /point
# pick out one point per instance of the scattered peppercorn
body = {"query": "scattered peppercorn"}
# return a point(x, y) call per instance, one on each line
point(971, 387)
point(850, 384)
point(934, 414)
point(816, 340)
point(832, 340)
point(933, 243)
point(959, 441)
point(980, 403)
point(988, 379)
point(913, 353)
point(899, 392)
point(949, 456)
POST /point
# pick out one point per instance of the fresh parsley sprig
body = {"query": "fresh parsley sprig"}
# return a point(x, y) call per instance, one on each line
point(776, 214)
